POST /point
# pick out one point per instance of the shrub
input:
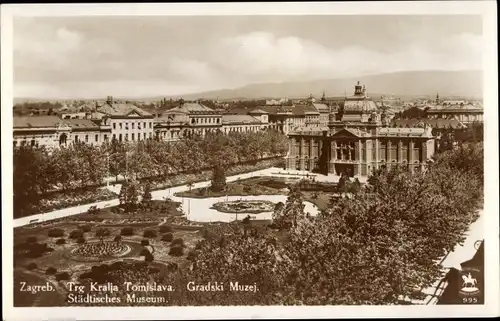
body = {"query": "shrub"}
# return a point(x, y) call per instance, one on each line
point(172, 266)
point(178, 241)
point(149, 233)
point(165, 229)
point(168, 237)
point(63, 276)
point(80, 240)
point(51, 271)
point(56, 232)
point(127, 231)
point(32, 266)
point(61, 241)
point(85, 228)
point(192, 255)
point(31, 239)
point(145, 242)
point(102, 233)
point(117, 238)
point(153, 270)
point(199, 245)
point(144, 252)
point(116, 266)
point(75, 234)
point(176, 250)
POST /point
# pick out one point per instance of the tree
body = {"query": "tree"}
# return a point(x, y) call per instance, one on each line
point(129, 195)
point(292, 213)
point(343, 183)
point(101, 233)
point(218, 178)
point(32, 178)
point(146, 196)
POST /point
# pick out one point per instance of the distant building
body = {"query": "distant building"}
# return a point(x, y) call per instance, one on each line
point(126, 121)
point(53, 132)
point(357, 141)
point(461, 110)
point(276, 101)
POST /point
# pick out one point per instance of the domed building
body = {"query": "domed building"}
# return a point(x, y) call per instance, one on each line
point(358, 105)
point(358, 141)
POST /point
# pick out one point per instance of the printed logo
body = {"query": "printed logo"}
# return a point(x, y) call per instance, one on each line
point(469, 291)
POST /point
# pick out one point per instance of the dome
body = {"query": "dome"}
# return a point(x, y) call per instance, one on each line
point(359, 102)
point(362, 105)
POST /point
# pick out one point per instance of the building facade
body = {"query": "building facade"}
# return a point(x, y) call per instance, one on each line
point(127, 122)
point(357, 141)
point(53, 132)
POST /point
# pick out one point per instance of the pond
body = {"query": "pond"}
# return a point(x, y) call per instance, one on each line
point(200, 209)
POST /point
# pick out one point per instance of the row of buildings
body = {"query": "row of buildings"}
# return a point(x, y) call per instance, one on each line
point(361, 137)
point(354, 136)
point(126, 122)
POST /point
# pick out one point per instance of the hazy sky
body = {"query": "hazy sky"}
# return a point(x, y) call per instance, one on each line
point(89, 57)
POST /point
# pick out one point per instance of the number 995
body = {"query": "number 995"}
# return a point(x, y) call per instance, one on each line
point(469, 300)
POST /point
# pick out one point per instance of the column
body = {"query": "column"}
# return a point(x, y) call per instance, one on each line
point(311, 153)
point(388, 153)
point(333, 157)
point(424, 154)
point(302, 152)
point(410, 157)
point(400, 151)
point(291, 154)
point(358, 156)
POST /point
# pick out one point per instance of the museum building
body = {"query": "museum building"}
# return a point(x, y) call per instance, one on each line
point(358, 140)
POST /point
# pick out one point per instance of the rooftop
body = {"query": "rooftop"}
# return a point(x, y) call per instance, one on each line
point(434, 123)
point(122, 109)
point(247, 119)
point(36, 121)
point(192, 108)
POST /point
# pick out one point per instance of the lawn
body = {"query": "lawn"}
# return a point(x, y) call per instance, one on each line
point(264, 185)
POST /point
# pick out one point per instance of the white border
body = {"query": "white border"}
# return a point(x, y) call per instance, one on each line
point(485, 8)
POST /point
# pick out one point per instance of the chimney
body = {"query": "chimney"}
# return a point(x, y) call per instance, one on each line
point(109, 100)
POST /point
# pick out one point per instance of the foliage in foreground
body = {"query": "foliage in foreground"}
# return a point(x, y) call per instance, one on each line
point(381, 243)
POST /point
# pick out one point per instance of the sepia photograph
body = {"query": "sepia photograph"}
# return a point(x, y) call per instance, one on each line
point(214, 158)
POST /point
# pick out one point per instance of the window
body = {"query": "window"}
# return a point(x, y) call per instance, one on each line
point(144, 135)
point(86, 138)
point(150, 124)
point(121, 125)
point(106, 137)
point(193, 121)
point(33, 142)
point(120, 138)
point(114, 125)
point(96, 138)
point(133, 128)
point(133, 136)
point(218, 120)
point(126, 136)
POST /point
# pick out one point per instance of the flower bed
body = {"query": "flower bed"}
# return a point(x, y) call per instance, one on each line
point(244, 206)
point(100, 250)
